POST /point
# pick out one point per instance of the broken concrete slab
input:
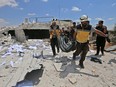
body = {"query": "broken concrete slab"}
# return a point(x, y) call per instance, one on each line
point(58, 79)
point(28, 64)
point(31, 78)
point(20, 35)
point(111, 48)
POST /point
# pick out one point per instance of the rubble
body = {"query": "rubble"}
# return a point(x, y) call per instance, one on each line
point(31, 64)
point(59, 67)
point(111, 48)
point(73, 80)
point(20, 35)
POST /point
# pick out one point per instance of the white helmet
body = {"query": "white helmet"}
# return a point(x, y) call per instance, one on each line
point(84, 18)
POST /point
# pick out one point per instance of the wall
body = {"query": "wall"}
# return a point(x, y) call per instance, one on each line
point(33, 33)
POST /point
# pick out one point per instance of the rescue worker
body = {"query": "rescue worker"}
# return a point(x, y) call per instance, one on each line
point(72, 30)
point(82, 37)
point(54, 33)
point(100, 40)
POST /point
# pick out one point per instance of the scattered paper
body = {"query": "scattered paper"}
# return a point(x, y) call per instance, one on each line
point(32, 47)
point(12, 63)
point(7, 53)
point(3, 63)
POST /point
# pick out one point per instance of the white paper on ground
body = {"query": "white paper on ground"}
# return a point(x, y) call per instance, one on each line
point(16, 47)
point(7, 53)
point(3, 63)
point(36, 55)
point(12, 63)
point(19, 60)
point(32, 47)
point(1, 47)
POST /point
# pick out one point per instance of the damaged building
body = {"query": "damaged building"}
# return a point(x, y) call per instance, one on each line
point(39, 30)
point(29, 63)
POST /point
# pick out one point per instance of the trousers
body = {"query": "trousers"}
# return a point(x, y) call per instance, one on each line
point(54, 43)
point(82, 49)
point(100, 42)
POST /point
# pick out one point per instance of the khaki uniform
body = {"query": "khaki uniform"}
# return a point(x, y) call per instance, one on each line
point(54, 34)
point(82, 38)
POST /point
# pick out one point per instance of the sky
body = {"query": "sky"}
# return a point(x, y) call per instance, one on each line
point(13, 12)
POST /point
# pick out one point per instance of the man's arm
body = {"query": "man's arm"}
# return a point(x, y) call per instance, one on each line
point(50, 32)
point(99, 32)
point(74, 35)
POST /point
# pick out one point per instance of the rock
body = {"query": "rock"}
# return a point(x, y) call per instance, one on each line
point(72, 80)
point(114, 84)
point(7, 66)
point(111, 48)
point(20, 35)
point(93, 71)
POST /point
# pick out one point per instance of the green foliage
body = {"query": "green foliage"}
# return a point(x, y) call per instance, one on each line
point(113, 33)
point(115, 27)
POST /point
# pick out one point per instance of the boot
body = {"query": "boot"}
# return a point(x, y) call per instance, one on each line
point(74, 57)
point(81, 65)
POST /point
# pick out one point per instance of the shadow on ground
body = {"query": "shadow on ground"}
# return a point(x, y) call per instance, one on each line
point(31, 78)
point(72, 68)
point(112, 61)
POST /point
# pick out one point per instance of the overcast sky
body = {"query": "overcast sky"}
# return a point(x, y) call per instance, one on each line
point(13, 12)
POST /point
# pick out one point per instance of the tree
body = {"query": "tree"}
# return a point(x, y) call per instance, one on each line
point(114, 34)
point(115, 27)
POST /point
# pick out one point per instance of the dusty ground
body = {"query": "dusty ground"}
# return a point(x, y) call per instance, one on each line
point(62, 71)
